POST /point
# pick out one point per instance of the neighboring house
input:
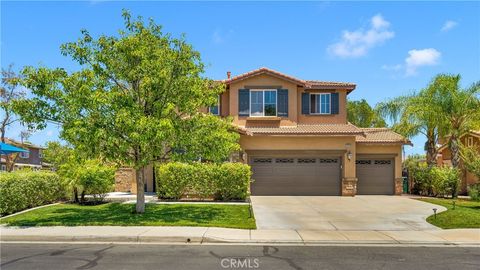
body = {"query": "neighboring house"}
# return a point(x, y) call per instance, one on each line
point(295, 136)
point(32, 159)
point(444, 156)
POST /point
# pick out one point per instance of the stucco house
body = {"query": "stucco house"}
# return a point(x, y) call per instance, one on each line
point(32, 159)
point(444, 157)
point(295, 136)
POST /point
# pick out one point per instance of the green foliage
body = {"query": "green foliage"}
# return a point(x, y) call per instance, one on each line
point(465, 214)
point(361, 114)
point(57, 154)
point(471, 159)
point(445, 181)
point(25, 189)
point(227, 181)
point(474, 192)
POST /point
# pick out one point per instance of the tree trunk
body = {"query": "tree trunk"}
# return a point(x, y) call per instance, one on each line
point(431, 157)
point(75, 195)
point(140, 207)
point(455, 149)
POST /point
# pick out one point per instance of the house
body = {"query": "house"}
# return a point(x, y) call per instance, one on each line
point(32, 159)
point(444, 156)
point(295, 136)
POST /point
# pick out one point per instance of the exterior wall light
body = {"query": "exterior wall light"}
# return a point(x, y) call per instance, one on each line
point(349, 155)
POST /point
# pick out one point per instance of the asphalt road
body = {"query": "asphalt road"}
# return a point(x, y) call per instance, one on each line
point(96, 256)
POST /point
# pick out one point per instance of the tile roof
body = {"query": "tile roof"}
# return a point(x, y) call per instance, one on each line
point(381, 135)
point(326, 129)
point(308, 84)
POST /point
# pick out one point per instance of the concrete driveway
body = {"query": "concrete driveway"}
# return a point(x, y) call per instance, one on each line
point(359, 213)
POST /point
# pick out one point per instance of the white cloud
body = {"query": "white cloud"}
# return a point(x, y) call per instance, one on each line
point(50, 133)
point(359, 42)
point(419, 58)
point(449, 25)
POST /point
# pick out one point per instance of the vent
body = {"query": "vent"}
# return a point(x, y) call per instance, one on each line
point(328, 160)
point(284, 160)
point(306, 160)
point(363, 162)
point(262, 160)
point(383, 162)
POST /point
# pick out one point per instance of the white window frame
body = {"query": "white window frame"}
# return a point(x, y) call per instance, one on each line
point(469, 141)
point(3, 167)
point(320, 98)
point(263, 102)
point(24, 155)
point(218, 105)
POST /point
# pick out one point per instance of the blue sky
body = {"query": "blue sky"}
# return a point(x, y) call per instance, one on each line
point(388, 49)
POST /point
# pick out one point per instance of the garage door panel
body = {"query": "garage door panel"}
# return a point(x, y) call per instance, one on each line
point(375, 176)
point(296, 176)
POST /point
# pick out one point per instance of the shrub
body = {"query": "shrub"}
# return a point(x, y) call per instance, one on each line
point(24, 189)
point(474, 192)
point(445, 181)
point(227, 181)
point(95, 179)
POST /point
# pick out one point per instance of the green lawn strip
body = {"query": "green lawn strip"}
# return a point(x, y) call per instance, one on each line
point(115, 214)
point(465, 215)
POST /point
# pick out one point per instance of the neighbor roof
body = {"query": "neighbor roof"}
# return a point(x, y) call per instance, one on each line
point(381, 135)
point(24, 144)
point(326, 129)
point(308, 84)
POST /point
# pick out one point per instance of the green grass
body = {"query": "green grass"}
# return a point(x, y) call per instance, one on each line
point(465, 215)
point(211, 215)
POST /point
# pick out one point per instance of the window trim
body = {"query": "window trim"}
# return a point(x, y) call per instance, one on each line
point(263, 102)
point(218, 105)
point(329, 103)
point(24, 155)
point(469, 141)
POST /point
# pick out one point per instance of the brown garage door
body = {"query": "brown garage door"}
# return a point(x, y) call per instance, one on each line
point(294, 176)
point(375, 176)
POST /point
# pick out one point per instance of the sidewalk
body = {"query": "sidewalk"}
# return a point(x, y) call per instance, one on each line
point(237, 236)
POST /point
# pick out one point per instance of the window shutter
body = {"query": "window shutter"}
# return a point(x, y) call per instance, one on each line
point(335, 103)
point(305, 103)
point(282, 102)
point(243, 102)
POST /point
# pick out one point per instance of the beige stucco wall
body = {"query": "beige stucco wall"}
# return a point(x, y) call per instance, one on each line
point(305, 143)
point(394, 150)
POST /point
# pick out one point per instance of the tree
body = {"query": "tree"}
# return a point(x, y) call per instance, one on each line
point(416, 114)
point(9, 92)
point(136, 100)
point(361, 114)
point(471, 159)
point(459, 109)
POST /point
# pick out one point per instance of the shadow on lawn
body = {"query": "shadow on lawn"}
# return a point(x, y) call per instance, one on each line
point(124, 214)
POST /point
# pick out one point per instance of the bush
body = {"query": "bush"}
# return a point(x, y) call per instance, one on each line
point(95, 179)
point(24, 189)
point(445, 181)
point(474, 192)
point(227, 181)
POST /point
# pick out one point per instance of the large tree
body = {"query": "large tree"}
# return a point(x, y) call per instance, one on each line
point(9, 92)
point(361, 114)
point(460, 110)
point(136, 100)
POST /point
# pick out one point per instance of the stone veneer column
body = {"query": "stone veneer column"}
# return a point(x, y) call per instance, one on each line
point(398, 186)
point(349, 186)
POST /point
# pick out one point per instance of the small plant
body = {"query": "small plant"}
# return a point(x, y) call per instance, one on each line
point(474, 192)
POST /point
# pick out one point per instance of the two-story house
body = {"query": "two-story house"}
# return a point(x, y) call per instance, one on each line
point(295, 136)
point(32, 159)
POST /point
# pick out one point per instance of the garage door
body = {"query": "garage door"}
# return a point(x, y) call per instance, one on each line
point(375, 176)
point(294, 176)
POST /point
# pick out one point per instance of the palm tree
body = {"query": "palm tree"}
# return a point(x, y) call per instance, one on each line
point(413, 115)
point(460, 110)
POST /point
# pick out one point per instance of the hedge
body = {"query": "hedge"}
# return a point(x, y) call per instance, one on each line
point(21, 190)
point(227, 181)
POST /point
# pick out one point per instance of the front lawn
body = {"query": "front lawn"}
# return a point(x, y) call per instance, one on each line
point(465, 215)
point(211, 215)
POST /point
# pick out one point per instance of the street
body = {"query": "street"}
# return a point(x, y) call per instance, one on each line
point(131, 256)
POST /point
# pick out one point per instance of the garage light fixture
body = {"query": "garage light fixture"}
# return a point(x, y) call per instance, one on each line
point(349, 155)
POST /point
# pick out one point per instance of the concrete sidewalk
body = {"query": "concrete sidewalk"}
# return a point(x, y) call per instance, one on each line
point(222, 235)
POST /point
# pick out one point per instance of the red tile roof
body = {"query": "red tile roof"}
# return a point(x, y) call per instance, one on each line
point(308, 84)
point(381, 135)
point(326, 129)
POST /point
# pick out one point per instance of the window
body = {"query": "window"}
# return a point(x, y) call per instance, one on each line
point(24, 154)
point(470, 142)
point(263, 103)
point(3, 167)
point(320, 104)
point(215, 110)
point(40, 153)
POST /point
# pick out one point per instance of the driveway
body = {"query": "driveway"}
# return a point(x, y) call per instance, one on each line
point(359, 213)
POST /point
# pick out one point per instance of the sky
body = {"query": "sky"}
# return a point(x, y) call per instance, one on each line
point(387, 48)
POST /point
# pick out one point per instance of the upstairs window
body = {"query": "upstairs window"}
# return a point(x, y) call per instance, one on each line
point(320, 103)
point(263, 102)
point(24, 154)
point(470, 142)
point(215, 110)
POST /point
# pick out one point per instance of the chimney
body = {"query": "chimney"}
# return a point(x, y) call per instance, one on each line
point(229, 74)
